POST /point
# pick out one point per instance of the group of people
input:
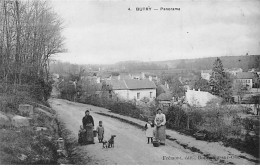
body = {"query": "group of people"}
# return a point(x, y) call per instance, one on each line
point(155, 129)
point(86, 134)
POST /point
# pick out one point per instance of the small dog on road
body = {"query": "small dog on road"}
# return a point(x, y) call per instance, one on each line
point(104, 144)
point(111, 141)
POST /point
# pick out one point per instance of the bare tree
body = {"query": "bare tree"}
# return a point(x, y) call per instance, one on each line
point(30, 33)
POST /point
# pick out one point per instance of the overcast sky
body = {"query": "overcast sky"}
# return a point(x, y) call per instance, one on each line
point(102, 32)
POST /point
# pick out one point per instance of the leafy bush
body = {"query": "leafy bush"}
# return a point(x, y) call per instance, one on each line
point(126, 108)
point(176, 117)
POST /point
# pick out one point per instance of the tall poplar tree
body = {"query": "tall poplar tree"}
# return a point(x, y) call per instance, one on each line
point(220, 82)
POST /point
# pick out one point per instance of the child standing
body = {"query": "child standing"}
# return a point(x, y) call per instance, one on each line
point(149, 127)
point(100, 132)
point(81, 136)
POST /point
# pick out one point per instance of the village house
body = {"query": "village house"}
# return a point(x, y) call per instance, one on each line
point(248, 79)
point(205, 74)
point(234, 71)
point(133, 89)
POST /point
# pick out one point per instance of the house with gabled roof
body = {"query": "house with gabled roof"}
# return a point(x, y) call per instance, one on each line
point(133, 89)
point(248, 79)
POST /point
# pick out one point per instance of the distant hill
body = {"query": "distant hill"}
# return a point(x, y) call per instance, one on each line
point(244, 62)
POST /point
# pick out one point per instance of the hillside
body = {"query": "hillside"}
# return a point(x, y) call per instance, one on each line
point(244, 62)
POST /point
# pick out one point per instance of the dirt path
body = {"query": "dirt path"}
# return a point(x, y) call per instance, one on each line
point(130, 144)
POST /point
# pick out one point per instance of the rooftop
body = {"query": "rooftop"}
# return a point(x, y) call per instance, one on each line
point(130, 84)
point(117, 84)
point(140, 84)
point(246, 75)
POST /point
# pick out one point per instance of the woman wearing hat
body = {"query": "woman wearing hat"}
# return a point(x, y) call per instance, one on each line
point(160, 121)
point(88, 124)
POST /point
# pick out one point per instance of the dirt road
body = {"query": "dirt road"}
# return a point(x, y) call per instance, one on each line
point(130, 143)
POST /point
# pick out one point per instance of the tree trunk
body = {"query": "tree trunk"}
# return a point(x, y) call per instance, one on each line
point(188, 121)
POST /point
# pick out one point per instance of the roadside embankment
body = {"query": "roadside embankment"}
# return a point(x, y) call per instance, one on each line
point(29, 136)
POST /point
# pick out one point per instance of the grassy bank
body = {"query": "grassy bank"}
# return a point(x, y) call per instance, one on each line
point(28, 145)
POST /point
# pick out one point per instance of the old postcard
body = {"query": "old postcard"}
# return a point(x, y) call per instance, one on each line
point(127, 82)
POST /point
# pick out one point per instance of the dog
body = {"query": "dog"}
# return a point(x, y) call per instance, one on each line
point(111, 141)
point(104, 144)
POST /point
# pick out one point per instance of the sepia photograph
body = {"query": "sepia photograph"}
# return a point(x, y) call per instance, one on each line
point(129, 82)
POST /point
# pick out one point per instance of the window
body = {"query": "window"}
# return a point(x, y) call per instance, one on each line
point(138, 95)
point(151, 94)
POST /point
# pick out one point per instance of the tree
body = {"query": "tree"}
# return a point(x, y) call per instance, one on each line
point(175, 85)
point(220, 81)
point(30, 33)
point(202, 84)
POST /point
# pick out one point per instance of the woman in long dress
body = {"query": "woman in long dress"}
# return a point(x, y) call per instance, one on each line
point(88, 124)
point(160, 121)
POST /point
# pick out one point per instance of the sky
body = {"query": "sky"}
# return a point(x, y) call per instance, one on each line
point(106, 31)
